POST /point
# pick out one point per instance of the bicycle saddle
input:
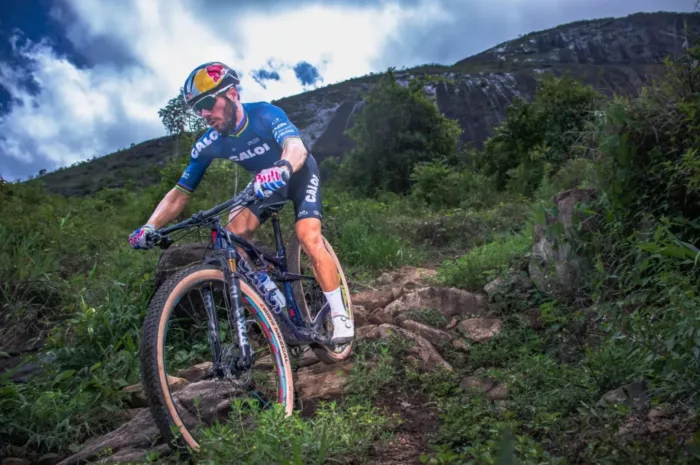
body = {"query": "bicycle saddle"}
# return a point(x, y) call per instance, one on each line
point(275, 206)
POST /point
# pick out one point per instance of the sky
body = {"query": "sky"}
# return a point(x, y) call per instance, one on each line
point(84, 78)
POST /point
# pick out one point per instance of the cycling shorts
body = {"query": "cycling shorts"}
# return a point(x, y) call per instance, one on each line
point(303, 189)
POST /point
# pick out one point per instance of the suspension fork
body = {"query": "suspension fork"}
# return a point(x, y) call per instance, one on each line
point(214, 342)
point(236, 314)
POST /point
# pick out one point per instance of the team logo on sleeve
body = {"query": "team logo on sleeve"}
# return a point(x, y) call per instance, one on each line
point(204, 142)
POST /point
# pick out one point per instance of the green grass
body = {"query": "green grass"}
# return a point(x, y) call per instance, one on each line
point(334, 434)
point(482, 264)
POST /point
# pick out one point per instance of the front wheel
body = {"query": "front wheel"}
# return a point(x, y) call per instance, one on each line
point(310, 299)
point(184, 390)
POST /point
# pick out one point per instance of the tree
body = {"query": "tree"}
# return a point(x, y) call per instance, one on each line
point(177, 118)
point(535, 134)
point(397, 128)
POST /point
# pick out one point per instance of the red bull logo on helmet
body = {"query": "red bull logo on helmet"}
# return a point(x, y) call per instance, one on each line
point(209, 77)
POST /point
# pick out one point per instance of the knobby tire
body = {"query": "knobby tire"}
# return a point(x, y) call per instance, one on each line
point(153, 373)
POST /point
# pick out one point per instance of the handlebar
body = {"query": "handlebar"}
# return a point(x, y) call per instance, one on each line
point(246, 196)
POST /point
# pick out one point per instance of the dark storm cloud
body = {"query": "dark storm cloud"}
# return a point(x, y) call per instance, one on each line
point(476, 26)
point(91, 49)
point(262, 75)
point(22, 21)
point(307, 73)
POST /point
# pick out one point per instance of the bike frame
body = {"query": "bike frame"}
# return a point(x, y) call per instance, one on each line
point(295, 329)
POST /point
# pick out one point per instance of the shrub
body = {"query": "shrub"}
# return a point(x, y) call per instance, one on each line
point(397, 128)
point(443, 186)
point(544, 131)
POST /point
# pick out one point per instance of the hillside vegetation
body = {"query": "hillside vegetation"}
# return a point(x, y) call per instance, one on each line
point(406, 195)
point(613, 55)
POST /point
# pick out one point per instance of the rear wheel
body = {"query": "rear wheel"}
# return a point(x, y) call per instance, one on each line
point(176, 343)
point(309, 296)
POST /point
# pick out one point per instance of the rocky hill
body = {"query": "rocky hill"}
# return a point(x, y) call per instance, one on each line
point(615, 55)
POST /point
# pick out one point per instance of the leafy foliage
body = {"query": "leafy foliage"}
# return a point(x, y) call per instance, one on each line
point(543, 132)
point(651, 145)
point(397, 128)
point(443, 186)
point(177, 118)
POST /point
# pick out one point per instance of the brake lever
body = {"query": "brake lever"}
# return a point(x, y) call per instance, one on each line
point(165, 242)
point(162, 241)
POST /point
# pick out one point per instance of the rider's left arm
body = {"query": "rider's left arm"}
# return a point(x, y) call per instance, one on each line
point(294, 152)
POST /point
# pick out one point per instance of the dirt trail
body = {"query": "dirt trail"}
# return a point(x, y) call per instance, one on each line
point(419, 420)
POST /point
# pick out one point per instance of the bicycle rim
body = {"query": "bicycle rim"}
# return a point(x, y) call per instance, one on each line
point(162, 356)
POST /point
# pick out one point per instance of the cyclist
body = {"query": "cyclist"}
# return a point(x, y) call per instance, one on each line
point(259, 137)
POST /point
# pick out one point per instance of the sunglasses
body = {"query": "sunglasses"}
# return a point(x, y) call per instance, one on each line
point(207, 102)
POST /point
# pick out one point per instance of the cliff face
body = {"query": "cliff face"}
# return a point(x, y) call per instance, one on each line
point(615, 55)
point(633, 40)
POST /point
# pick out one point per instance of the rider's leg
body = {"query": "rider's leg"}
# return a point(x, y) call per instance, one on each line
point(308, 231)
point(305, 192)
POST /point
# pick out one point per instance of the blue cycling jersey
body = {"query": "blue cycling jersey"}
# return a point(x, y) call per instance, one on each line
point(256, 143)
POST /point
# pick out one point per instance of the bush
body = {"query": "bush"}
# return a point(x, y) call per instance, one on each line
point(534, 134)
point(397, 128)
point(651, 146)
point(443, 186)
point(482, 264)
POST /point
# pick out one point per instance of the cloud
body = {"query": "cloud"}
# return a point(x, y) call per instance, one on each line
point(307, 73)
point(262, 75)
point(74, 114)
point(91, 47)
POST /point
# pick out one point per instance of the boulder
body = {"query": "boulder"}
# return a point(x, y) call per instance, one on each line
point(554, 267)
point(138, 396)
point(323, 381)
point(132, 440)
point(433, 335)
point(179, 256)
point(372, 300)
point(481, 329)
point(367, 332)
point(423, 349)
point(406, 279)
point(448, 301)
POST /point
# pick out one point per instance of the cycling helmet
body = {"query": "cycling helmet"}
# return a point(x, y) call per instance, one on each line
point(208, 79)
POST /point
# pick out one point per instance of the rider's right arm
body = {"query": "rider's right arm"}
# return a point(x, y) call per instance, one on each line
point(168, 208)
point(178, 197)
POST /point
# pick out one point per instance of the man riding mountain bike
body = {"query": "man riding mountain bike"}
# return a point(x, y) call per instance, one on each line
point(259, 137)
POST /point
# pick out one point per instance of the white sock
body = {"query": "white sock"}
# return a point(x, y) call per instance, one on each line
point(335, 300)
point(343, 327)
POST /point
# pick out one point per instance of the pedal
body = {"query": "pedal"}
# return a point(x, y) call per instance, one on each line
point(296, 350)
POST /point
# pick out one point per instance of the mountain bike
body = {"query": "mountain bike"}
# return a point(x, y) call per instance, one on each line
point(230, 341)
